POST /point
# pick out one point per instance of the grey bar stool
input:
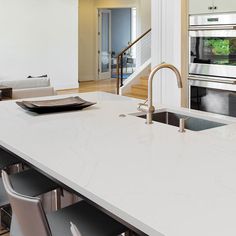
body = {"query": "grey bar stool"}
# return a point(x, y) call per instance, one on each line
point(6, 160)
point(29, 182)
point(32, 220)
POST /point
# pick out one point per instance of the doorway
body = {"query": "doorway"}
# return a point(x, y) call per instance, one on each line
point(116, 30)
point(104, 43)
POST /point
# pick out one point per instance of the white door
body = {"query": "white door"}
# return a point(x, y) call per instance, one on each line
point(225, 5)
point(201, 6)
point(104, 44)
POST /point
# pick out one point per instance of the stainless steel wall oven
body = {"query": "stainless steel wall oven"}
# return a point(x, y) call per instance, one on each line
point(212, 63)
point(207, 94)
point(212, 42)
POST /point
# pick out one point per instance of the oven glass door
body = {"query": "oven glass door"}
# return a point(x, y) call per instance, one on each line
point(213, 97)
point(213, 53)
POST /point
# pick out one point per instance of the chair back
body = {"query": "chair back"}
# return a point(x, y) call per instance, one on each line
point(27, 210)
point(6, 159)
point(74, 230)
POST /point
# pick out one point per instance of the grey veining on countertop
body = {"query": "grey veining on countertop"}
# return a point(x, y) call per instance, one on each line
point(153, 177)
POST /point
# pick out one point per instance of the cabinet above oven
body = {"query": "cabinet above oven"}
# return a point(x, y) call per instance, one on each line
point(211, 6)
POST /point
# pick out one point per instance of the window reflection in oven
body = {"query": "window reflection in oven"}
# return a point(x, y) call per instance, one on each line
point(213, 50)
point(213, 100)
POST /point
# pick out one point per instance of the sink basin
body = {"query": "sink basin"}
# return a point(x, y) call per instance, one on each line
point(191, 123)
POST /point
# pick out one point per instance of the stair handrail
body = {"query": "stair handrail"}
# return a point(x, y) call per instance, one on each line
point(119, 59)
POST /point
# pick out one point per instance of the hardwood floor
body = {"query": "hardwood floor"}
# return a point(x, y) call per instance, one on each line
point(108, 85)
point(138, 90)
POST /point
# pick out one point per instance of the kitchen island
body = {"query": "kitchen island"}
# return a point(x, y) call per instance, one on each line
point(160, 181)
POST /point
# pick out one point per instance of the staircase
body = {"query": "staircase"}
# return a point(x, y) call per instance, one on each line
point(139, 89)
point(136, 85)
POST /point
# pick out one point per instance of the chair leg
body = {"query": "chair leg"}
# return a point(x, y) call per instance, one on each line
point(57, 194)
point(19, 167)
point(130, 233)
point(1, 228)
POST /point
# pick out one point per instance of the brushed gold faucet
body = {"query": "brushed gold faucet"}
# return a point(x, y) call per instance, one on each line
point(148, 107)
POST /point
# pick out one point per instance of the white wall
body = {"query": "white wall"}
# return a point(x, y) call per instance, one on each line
point(144, 24)
point(88, 60)
point(144, 15)
point(39, 37)
point(86, 40)
point(166, 47)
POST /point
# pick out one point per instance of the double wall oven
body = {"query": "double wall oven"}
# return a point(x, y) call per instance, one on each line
point(212, 63)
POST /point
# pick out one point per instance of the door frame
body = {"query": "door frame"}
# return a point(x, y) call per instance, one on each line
point(105, 75)
point(110, 7)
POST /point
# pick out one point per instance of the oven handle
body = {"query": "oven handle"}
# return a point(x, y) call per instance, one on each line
point(211, 79)
point(215, 27)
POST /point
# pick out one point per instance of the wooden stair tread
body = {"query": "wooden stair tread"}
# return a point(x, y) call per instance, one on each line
point(143, 80)
point(144, 77)
point(139, 90)
point(140, 86)
point(139, 96)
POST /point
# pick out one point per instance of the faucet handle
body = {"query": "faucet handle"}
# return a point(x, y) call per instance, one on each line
point(142, 107)
point(145, 108)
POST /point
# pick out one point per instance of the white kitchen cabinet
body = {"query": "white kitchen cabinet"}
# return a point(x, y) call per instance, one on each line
point(225, 5)
point(211, 6)
point(200, 6)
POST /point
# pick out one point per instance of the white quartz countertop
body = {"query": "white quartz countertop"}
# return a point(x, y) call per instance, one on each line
point(159, 180)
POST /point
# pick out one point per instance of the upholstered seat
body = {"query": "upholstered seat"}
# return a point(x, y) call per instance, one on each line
point(32, 183)
point(28, 182)
point(31, 220)
point(74, 230)
point(88, 219)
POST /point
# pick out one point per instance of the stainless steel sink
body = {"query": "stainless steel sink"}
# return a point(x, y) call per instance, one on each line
point(191, 123)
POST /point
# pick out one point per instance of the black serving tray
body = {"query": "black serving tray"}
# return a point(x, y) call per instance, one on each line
point(55, 105)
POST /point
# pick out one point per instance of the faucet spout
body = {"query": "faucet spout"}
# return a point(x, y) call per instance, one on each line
point(148, 107)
